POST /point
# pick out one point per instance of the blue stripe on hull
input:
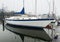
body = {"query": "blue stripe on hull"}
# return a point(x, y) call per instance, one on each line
point(30, 20)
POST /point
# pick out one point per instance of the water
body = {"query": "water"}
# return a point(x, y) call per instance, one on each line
point(7, 36)
point(12, 34)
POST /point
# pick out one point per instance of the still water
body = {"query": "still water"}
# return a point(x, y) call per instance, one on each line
point(10, 36)
point(7, 36)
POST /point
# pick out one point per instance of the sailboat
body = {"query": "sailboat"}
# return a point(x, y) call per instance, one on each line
point(28, 21)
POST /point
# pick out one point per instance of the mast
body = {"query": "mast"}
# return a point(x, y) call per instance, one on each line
point(53, 12)
point(53, 7)
point(23, 10)
point(49, 6)
point(35, 6)
point(23, 3)
point(23, 7)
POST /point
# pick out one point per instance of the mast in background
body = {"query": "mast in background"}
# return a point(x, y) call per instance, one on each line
point(36, 7)
point(49, 6)
point(53, 11)
point(53, 7)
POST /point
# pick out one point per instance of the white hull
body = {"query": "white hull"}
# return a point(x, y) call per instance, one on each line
point(40, 23)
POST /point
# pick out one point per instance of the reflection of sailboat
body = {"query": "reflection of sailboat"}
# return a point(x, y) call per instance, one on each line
point(30, 21)
point(35, 33)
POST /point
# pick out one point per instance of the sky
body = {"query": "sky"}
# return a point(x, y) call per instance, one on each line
point(31, 6)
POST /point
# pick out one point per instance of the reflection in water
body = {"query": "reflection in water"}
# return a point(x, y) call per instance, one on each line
point(12, 34)
point(7, 36)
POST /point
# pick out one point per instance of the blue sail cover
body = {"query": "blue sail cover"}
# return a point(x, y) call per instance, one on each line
point(22, 12)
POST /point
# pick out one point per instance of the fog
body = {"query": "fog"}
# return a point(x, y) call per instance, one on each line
point(31, 6)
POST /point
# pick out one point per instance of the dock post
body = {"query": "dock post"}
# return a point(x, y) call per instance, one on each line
point(3, 25)
point(3, 16)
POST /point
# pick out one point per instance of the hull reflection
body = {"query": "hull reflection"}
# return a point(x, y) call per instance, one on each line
point(40, 33)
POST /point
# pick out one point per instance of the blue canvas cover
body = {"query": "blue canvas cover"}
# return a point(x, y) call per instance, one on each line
point(22, 12)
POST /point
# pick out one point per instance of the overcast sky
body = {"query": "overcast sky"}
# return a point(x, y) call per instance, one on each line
point(29, 5)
